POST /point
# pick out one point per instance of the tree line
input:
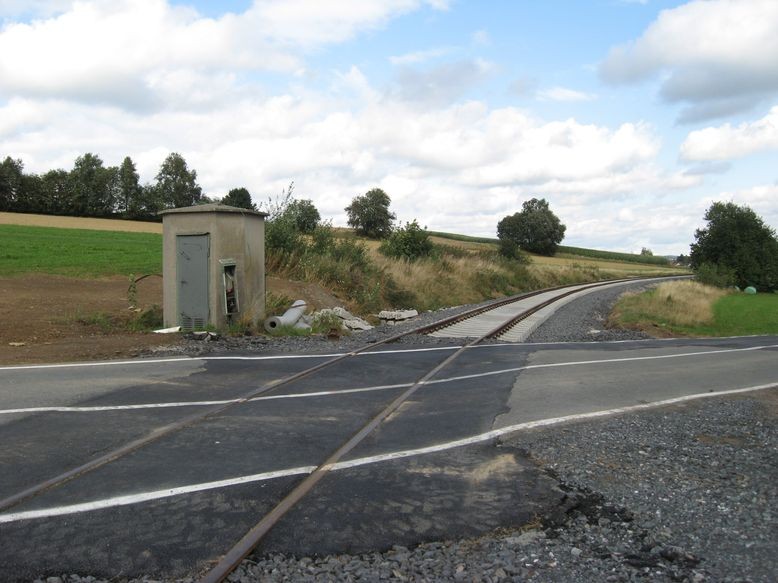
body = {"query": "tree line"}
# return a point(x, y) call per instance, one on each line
point(92, 189)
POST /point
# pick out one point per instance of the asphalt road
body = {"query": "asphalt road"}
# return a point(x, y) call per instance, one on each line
point(174, 505)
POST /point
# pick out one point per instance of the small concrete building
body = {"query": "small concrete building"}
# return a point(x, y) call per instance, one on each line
point(213, 265)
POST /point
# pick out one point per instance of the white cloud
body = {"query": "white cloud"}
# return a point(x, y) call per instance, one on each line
point(441, 84)
point(564, 94)
point(461, 167)
point(763, 199)
point(727, 142)
point(481, 38)
point(417, 57)
point(122, 51)
point(717, 55)
point(141, 78)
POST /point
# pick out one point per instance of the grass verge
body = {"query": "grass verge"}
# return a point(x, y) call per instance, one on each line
point(689, 308)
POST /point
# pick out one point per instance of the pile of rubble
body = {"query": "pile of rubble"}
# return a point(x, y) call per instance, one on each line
point(297, 318)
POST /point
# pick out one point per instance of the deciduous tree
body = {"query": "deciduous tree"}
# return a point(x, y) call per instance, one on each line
point(304, 215)
point(369, 214)
point(240, 198)
point(129, 189)
point(11, 172)
point(536, 228)
point(92, 187)
point(177, 185)
point(737, 242)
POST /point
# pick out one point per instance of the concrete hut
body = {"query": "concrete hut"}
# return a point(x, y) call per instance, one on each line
point(213, 266)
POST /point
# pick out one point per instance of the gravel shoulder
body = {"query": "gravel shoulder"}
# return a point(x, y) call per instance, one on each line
point(676, 494)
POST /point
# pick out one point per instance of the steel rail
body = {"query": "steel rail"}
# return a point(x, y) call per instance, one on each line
point(160, 432)
point(506, 326)
point(233, 557)
point(228, 563)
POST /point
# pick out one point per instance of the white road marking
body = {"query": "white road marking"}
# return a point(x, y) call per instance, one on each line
point(102, 408)
point(141, 361)
point(150, 496)
point(304, 470)
point(508, 429)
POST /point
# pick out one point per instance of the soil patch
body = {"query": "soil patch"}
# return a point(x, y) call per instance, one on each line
point(79, 223)
point(49, 318)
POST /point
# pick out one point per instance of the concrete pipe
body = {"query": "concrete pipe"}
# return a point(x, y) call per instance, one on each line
point(289, 318)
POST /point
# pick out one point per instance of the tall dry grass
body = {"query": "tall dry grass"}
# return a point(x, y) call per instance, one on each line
point(680, 303)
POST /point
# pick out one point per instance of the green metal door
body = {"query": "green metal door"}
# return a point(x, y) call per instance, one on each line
point(192, 272)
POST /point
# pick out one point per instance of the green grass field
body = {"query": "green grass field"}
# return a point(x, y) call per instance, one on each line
point(77, 252)
point(691, 309)
point(743, 314)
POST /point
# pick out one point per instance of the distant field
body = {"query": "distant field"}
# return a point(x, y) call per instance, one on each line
point(563, 252)
point(79, 223)
point(466, 238)
point(78, 252)
point(611, 255)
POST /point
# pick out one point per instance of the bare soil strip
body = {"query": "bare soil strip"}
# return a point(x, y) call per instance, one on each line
point(79, 223)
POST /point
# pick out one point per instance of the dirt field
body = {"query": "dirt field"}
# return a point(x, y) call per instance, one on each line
point(79, 223)
point(41, 316)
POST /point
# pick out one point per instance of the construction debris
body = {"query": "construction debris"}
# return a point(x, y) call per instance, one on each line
point(348, 320)
point(392, 317)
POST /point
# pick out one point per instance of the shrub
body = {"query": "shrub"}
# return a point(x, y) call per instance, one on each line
point(409, 242)
point(281, 235)
point(511, 250)
point(304, 215)
point(715, 275)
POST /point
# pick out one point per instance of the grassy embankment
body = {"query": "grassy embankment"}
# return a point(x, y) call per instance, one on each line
point(462, 269)
point(688, 308)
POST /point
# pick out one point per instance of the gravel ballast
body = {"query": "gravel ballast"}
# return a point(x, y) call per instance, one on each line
point(585, 319)
point(676, 494)
point(681, 493)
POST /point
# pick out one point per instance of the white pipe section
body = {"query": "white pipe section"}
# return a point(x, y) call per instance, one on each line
point(290, 317)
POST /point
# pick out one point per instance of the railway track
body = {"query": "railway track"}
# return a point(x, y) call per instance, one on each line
point(510, 319)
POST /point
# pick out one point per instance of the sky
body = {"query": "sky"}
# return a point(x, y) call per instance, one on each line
point(629, 116)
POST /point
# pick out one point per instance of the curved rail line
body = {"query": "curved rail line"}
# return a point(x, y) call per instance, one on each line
point(233, 557)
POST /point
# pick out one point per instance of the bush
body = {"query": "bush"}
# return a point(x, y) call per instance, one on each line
point(409, 242)
point(303, 214)
point(715, 275)
point(511, 250)
point(281, 235)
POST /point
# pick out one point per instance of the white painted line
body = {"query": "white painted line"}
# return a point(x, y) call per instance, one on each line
point(142, 361)
point(304, 470)
point(602, 361)
point(216, 358)
point(149, 496)
point(507, 430)
point(100, 408)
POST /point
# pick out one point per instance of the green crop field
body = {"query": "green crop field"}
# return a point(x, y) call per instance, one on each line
point(78, 252)
point(565, 252)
